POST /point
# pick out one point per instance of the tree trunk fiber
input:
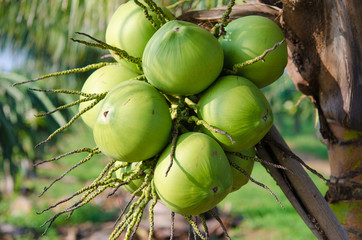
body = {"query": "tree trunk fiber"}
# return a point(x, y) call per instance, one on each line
point(325, 49)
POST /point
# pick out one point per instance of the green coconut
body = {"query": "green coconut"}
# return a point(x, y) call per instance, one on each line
point(102, 80)
point(247, 38)
point(130, 30)
point(134, 123)
point(235, 105)
point(182, 58)
point(199, 178)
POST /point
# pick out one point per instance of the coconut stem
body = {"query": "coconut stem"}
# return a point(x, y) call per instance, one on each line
point(219, 29)
point(104, 181)
point(216, 216)
point(100, 44)
point(91, 97)
point(206, 229)
point(191, 104)
point(290, 154)
point(172, 225)
point(89, 195)
point(133, 216)
point(161, 16)
point(90, 155)
point(133, 226)
point(240, 155)
point(97, 98)
point(67, 72)
point(256, 182)
point(147, 15)
point(194, 226)
point(238, 66)
point(122, 225)
point(151, 210)
point(64, 155)
point(210, 128)
point(66, 91)
point(173, 144)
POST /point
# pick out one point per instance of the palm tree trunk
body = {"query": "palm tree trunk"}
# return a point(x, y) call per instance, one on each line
point(345, 185)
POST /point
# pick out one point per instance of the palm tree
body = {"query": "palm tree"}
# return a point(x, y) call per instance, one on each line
point(42, 29)
point(317, 34)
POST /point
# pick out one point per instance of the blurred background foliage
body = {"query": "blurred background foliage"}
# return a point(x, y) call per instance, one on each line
point(41, 30)
point(35, 40)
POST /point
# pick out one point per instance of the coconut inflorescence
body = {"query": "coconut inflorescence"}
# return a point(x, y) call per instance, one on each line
point(179, 110)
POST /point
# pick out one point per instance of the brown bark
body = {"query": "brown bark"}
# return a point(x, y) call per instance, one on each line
point(325, 41)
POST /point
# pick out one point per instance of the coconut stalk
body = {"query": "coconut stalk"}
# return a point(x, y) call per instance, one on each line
point(299, 188)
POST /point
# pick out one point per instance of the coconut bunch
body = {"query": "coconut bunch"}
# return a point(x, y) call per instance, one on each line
point(178, 112)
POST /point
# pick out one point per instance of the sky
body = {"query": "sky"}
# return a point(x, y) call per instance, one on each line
point(10, 59)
